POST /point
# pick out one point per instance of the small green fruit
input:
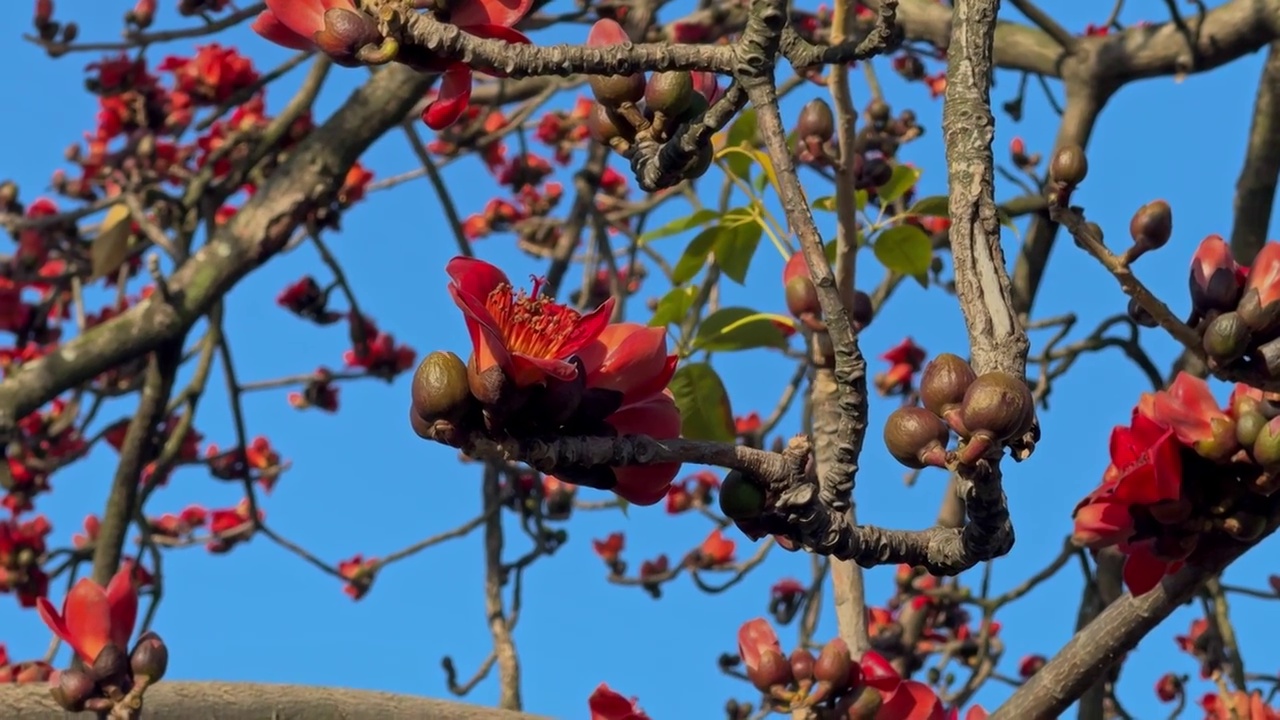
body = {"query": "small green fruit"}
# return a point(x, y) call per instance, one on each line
point(741, 497)
point(440, 387)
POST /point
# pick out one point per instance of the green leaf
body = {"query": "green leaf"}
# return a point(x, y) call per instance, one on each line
point(673, 307)
point(905, 249)
point(940, 206)
point(902, 180)
point(736, 247)
point(705, 413)
point(679, 225)
point(831, 250)
point(828, 202)
point(932, 206)
point(695, 254)
point(738, 328)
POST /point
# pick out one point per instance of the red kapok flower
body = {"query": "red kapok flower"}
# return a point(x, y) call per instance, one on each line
point(905, 360)
point(1189, 409)
point(93, 616)
point(528, 337)
point(630, 359)
point(1216, 280)
point(605, 704)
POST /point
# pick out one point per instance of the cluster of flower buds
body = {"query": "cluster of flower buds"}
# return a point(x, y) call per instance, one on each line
point(51, 31)
point(97, 622)
point(1183, 471)
point(541, 369)
point(832, 685)
point(875, 145)
point(631, 110)
point(802, 297)
point(988, 412)
point(1237, 308)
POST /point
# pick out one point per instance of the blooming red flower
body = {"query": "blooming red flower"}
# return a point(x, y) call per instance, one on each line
point(747, 424)
point(1189, 409)
point(358, 573)
point(905, 360)
point(528, 337)
point(605, 704)
point(716, 549)
point(610, 549)
point(630, 359)
point(652, 568)
point(213, 76)
point(93, 616)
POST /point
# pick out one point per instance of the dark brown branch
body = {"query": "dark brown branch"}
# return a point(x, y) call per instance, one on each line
point(1256, 187)
point(254, 701)
point(138, 449)
point(495, 580)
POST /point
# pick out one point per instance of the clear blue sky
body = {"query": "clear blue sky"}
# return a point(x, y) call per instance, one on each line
point(363, 483)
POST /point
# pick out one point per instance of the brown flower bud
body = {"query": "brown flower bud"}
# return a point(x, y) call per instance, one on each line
point(772, 670)
point(916, 437)
point(1152, 225)
point(110, 666)
point(1069, 166)
point(71, 688)
point(669, 93)
point(440, 387)
point(834, 663)
point(345, 32)
point(150, 658)
point(816, 120)
point(878, 112)
point(863, 311)
point(997, 405)
point(944, 382)
point(802, 664)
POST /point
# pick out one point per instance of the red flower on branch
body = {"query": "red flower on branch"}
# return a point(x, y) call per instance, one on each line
point(905, 360)
point(527, 337)
point(605, 704)
point(93, 616)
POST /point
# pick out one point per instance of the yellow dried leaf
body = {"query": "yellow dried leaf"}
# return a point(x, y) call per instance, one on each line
point(109, 249)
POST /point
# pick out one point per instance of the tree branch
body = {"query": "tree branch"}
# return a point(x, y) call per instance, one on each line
point(1256, 188)
point(254, 701)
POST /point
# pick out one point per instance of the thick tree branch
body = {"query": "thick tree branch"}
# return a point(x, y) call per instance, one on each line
point(255, 701)
point(1116, 631)
point(996, 337)
point(1256, 187)
point(313, 172)
point(495, 579)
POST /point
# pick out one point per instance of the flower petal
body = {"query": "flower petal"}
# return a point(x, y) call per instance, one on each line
point(476, 277)
point(303, 17)
point(123, 599)
point(87, 614)
point(269, 26)
point(504, 13)
point(1143, 571)
point(452, 99)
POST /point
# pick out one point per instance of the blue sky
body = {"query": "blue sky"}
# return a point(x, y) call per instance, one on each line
point(362, 482)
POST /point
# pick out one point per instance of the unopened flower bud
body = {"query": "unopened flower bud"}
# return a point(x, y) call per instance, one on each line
point(802, 664)
point(150, 658)
point(345, 32)
point(1151, 226)
point(142, 14)
point(71, 688)
point(816, 120)
point(1069, 166)
point(834, 663)
point(772, 670)
point(669, 93)
point(1227, 338)
point(110, 665)
point(916, 437)
point(741, 496)
point(1215, 280)
point(944, 382)
point(440, 387)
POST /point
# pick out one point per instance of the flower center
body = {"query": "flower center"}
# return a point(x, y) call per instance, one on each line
point(532, 324)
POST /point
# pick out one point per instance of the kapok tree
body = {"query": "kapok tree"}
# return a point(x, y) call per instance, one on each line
point(190, 179)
